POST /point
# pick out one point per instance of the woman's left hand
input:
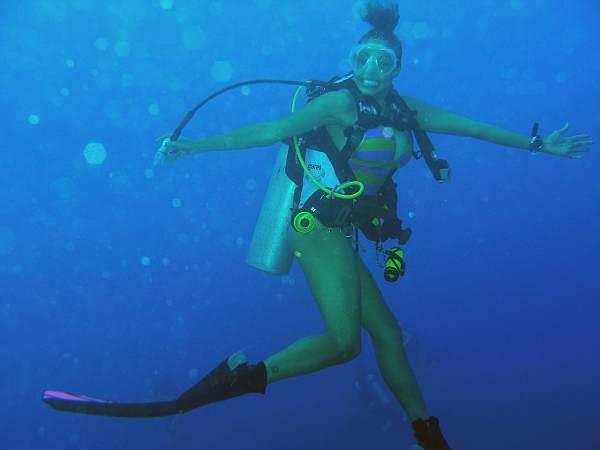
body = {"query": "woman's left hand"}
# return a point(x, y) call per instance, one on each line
point(566, 146)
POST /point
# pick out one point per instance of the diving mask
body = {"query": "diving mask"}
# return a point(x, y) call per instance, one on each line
point(370, 55)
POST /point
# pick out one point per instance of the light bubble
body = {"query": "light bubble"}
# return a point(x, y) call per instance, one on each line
point(193, 38)
point(288, 280)
point(176, 203)
point(70, 63)
point(146, 261)
point(126, 80)
point(65, 92)
point(239, 241)
point(149, 174)
point(194, 374)
point(246, 90)
point(411, 214)
point(8, 240)
point(165, 262)
point(112, 110)
point(508, 73)
point(222, 71)
point(33, 119)
point(83, 5)
point(167, 4)
point(266, 50)
point(216, 9)
point(422, 30)
point(122, 49)
point(119, 182)
point(517, 5)
point(154, 109)
point(561, 77)
point(101, 44)
point(94, 153)
point(104, 80)
point(63, 188)
point(251, 184)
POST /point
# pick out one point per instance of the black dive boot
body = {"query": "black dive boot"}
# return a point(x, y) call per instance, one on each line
point(232, 378)
point(428, 434)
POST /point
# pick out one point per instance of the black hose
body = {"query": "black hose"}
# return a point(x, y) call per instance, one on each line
point(177, 132)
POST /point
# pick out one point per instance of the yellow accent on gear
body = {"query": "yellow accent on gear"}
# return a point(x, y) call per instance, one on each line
point(301, 217)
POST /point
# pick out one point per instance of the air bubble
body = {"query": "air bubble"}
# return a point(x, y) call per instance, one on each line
point(222, 71)
point(101, 44)
point(94, 153)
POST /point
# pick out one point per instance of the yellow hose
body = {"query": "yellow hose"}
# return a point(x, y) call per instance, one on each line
point(329, 192)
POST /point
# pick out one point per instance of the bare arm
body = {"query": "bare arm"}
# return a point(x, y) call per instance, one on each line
point(444, 122)
point(335, 108)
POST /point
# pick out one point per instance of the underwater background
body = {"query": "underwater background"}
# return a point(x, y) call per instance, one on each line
point(128, 282)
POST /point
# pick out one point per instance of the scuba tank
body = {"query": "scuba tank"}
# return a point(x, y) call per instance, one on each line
point(268, 250)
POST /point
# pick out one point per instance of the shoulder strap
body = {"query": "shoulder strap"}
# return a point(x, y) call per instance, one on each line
point(406, 119)
point(369, 112)
point(354, 134)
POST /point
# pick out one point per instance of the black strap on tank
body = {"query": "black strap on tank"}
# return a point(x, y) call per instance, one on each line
point(439, 168)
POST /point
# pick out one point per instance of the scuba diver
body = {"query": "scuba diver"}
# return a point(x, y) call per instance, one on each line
point(345, 145)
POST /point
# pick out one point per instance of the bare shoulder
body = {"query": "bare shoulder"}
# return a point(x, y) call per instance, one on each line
point(339, 104)
point(341, 98)
point(330, 109)
point(416, 104)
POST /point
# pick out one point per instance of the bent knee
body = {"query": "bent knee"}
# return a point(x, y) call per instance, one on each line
point(345, 349)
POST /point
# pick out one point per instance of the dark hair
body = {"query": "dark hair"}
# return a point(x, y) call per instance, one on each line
point(384, 20)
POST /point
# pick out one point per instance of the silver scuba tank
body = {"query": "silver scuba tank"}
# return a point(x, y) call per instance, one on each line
point(269, 250)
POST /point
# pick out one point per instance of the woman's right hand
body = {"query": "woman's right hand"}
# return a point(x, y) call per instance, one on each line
point(170, 150)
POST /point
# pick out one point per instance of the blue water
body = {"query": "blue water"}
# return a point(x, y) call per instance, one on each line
point(124, 282)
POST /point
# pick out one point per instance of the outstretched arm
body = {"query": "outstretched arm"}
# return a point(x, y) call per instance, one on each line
point(439, 121)
point(335, 108)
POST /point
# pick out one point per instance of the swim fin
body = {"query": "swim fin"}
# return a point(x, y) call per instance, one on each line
point(232, 378)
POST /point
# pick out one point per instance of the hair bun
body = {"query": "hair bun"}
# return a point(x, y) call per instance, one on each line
point(381, 17)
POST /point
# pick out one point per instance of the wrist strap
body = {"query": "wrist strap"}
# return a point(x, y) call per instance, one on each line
point(536, 143)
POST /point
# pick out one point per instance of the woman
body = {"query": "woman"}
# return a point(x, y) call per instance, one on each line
point(347, 295)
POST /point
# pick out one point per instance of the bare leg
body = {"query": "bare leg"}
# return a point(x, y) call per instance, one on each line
point(331, 270)
point(386, 336)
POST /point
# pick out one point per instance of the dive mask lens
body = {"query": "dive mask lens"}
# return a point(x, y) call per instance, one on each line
point(366, 55)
